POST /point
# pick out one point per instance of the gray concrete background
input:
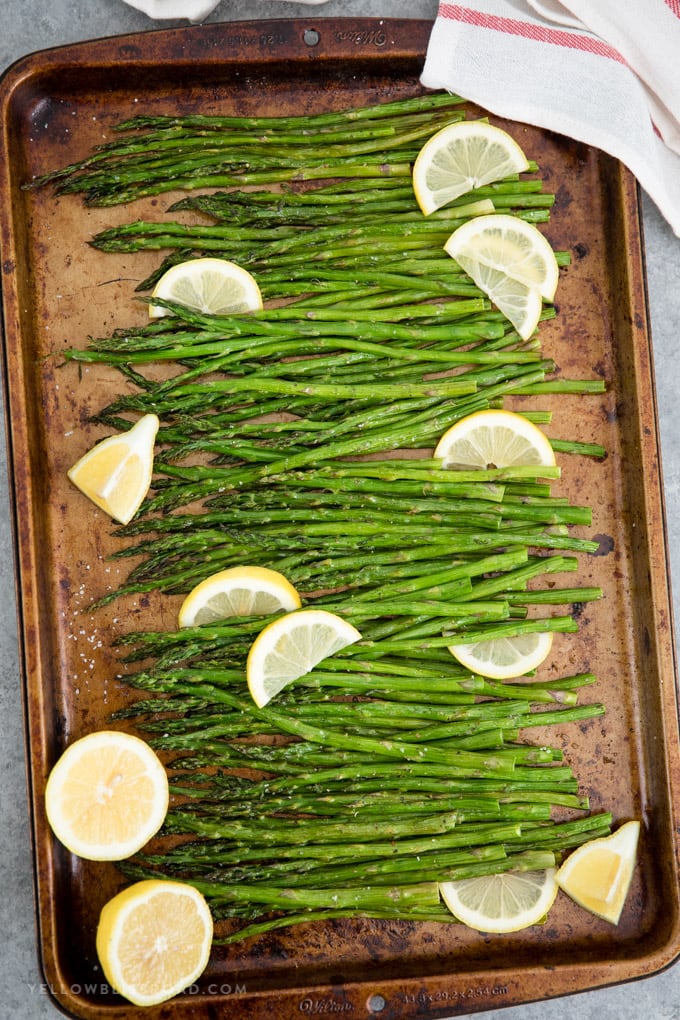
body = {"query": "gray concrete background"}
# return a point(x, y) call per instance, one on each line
point(30, 25)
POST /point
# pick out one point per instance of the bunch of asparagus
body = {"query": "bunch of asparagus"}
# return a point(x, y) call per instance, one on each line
point(300, 438)
point(158, 154)
point(400, 771)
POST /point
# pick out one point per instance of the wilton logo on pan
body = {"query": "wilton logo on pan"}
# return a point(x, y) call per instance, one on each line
point(324, 1006)
point(366, 37)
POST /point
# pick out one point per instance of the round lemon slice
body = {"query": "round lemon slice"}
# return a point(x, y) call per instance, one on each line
point(290, 646)
point(461, 157)
point(106, 796)
point(116, 473)
point(211, 285)
point(494, 438)
point(598, 874)
point(504, 658)
point(501, 903)
point(239, 591)
point(511, 262)
point(154, 940)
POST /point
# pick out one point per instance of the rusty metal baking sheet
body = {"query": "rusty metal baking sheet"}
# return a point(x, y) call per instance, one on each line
point(57, 291)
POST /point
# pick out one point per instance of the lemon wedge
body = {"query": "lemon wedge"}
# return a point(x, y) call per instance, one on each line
point(116, 473)
point(597, 875)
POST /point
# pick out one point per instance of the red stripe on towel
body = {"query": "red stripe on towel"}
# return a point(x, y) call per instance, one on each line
point(538, 33)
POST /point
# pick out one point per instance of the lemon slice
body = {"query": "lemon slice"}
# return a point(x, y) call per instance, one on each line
point(521, 305)
point(461, 157)
point(291, 646)
point(154, 940)
point(494, 438)
point(106, 796)
point(116, 473)
point(239, 591)
point(512, 262)
point(501, 903)
point(598, 874)
point(210, 285)
point(503, 658)
point(509, 245)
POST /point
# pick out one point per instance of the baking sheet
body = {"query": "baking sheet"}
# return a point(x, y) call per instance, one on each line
point(57, 291)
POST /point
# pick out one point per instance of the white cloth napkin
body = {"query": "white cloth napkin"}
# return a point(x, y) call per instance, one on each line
point(606, 73)
point(161, 10)
point(192, 10)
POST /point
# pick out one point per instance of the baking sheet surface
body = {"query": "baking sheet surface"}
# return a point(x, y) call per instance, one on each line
point(57, 291)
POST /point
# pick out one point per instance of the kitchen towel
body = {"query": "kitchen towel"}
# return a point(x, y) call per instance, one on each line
point(190, 10)
point(606, 73)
